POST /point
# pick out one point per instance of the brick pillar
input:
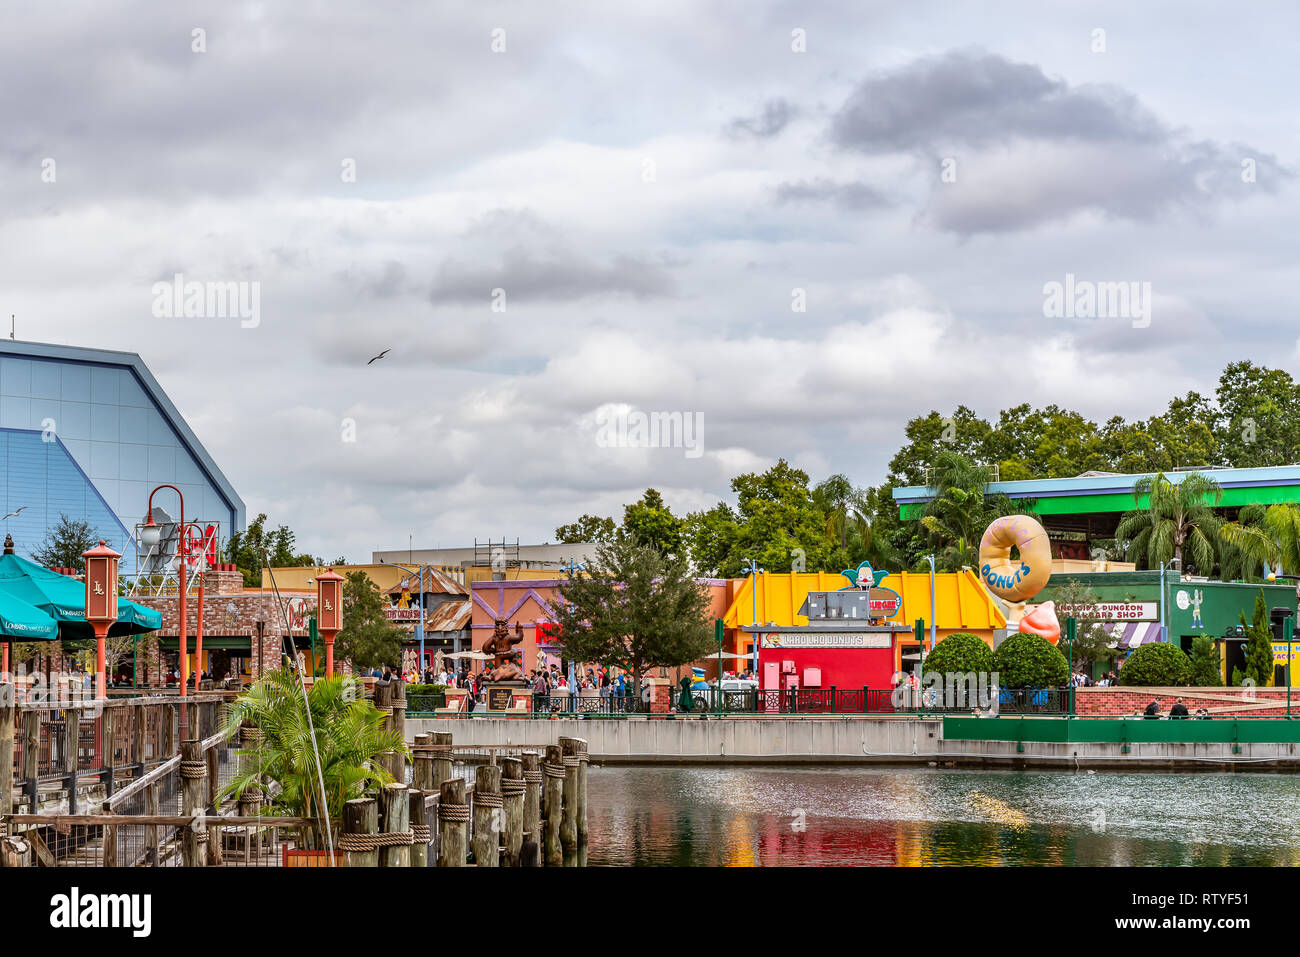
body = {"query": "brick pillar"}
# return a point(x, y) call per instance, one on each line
point(661, 696)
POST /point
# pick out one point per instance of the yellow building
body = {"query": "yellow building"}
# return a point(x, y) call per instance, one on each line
point(962, 603)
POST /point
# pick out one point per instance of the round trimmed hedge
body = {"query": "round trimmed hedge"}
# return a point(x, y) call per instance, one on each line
point(1156, 665)
point(1030, 661)
point(959, 653)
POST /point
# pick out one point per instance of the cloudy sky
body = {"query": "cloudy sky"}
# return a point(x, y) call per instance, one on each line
point(656, 191)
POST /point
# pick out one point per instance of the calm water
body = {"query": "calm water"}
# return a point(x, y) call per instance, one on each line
point(930, 816)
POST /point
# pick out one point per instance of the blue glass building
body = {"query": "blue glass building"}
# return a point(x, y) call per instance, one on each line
point(88, 433)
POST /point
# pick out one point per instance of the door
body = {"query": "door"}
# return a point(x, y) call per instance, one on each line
point(771, 674)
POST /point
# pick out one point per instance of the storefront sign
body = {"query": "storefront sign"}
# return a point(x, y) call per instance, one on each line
point(834, 639)
point(393, 613)
point(1112, 611)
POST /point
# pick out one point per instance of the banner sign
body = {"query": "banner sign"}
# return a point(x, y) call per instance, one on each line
point(1112, 611)
point(833, 639)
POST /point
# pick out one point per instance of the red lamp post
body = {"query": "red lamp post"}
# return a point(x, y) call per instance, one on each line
point(329, 613)
point(101, 601)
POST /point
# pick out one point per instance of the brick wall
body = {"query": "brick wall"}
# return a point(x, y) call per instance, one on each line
point(1265, 702)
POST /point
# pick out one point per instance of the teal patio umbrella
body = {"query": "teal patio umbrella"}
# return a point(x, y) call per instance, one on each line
point(20, 621)
point(63, 600)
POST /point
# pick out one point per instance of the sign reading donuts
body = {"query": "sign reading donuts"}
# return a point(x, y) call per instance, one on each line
point(1015, 579)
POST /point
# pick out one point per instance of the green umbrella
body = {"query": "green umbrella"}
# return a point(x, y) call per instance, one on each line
point(19, 621)
point(63, 599)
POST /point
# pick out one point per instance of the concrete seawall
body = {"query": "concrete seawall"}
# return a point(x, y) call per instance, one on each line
point(847, 741)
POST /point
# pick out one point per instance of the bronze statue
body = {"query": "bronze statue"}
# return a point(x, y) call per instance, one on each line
point(499, 646)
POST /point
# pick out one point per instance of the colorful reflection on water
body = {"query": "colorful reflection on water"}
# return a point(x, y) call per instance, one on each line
point(788, 816)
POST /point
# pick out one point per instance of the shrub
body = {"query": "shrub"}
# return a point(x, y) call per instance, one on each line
point(1205, 663)
point(960, 653)
point(1030, 661)
point(424, 689)
point(1158, 665)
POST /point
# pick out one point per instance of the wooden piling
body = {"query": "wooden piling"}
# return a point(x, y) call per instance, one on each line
point(582, 791)
point(419, 829)
point(397, 721)
point(553, 769)
point(137, 741)
point(193, 787)
point(107, 751)
point(214, 787)
point(360, 816)
point(32, 758)
point(15, 852)
point(487, 816)
point(442, 756)
point(7, 713)
point(533, 778)
point(512, 810)
point(109, 843)
point(453, 823)
point(71, 734)
point(422, 773)
point(396, 820)
point(569, 825)
point(167, 717)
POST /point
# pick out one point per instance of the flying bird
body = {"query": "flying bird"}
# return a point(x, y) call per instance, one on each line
point(380, 356)
point(12, 514)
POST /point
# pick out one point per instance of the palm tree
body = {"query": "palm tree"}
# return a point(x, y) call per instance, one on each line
point(955, 519)
point(1262, 537)
point(349, 738)
point(1178, 517)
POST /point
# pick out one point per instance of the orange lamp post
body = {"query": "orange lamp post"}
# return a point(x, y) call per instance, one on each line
point(329, 613)
point(101, 602)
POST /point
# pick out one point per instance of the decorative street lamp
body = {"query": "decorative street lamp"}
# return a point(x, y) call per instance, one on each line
point(329, 613)
point(101, 601)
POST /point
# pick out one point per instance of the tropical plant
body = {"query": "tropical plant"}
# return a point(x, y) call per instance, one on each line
point(1205, 663)
point(1265, 537)
point(1026, 660)
point(350, 738)
point(1158, 664)
point(1178, 517)
point(962, 508)
point(1259, 647)
point(960, 653)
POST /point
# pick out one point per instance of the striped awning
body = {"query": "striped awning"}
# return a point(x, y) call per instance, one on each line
point(1130, 634)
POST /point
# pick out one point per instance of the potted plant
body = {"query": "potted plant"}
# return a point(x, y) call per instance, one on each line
point(350, 739)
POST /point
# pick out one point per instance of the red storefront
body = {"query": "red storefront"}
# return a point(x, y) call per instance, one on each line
point(824, 656)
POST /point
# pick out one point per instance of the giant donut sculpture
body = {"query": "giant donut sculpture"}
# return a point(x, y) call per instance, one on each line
point(1015, 581)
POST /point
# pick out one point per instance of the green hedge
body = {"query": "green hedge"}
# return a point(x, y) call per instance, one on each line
point(959, 653)
point(1030, 661)
point(1156, 665)
point(425, 689)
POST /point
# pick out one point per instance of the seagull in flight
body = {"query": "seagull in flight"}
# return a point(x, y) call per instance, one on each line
point(380, 356)
point(12, 514)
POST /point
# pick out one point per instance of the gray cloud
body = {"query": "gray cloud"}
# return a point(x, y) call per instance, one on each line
point(776, 116)
point(854, 197)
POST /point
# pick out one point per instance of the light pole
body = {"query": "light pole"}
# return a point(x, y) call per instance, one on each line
point(930, 559)
point(753, 590)
point(419, 628)
point(1071, 632)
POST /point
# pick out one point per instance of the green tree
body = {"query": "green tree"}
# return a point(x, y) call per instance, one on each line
point(1176, 518)
point(64, 544)
point(250, 550)
point(350, 738)
point(955, 519)
point(368, 638)
point(1025, 660)
point(1259, 416)
point(651, 523)
point(588, 528)
point(1259, 647)
point(1205, 663)
point(1092, 643)
point(1157, 665)
point(960, 653)
point(636, 609)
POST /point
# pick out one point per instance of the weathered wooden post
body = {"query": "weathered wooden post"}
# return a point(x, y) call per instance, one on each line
point(110, 843)
point(569, 826)
point(250, 801)
point(397, 721)
point(487, 816)
point(32, 759)
point(419, 829)
point(7, 705)
point(583, 758)
point(397, 820)
point(442, 757)
point(533, 779)
point(554, 771)
point(138, 720)
point(512, 811)
point(151, 830)
point(453, 823)
point(71, 736)
point(15, 852)
point(214, 788)
point(360, 828)
point(422, 774)
point(168, 720)
point(194, 772)
point(107, 751)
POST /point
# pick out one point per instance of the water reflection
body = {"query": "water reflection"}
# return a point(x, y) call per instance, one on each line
point(924, 817)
